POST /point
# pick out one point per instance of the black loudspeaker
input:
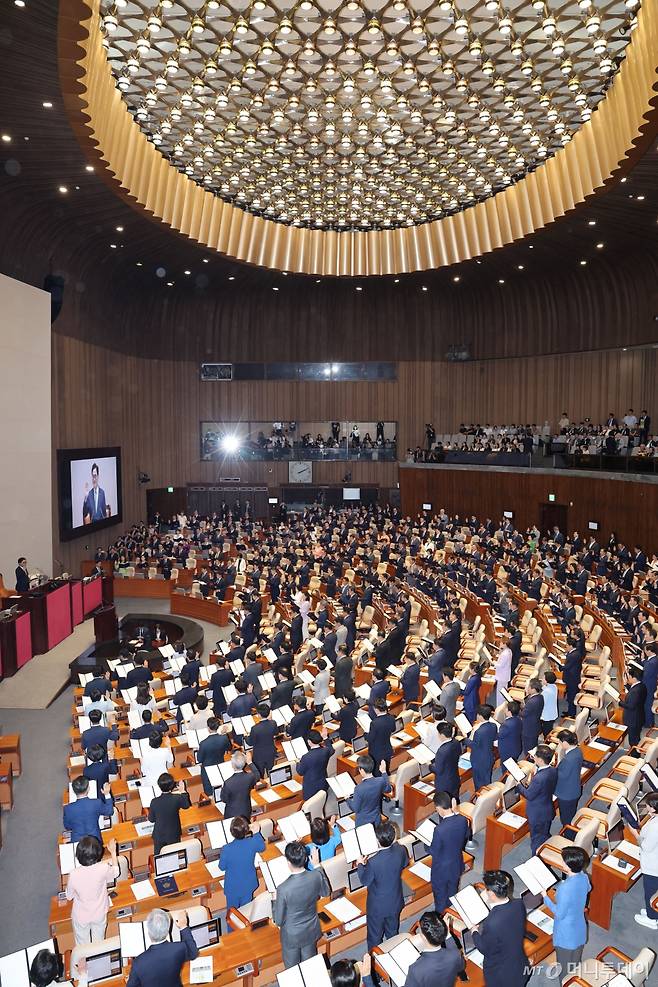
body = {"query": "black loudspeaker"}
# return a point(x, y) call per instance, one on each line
point(54, 285)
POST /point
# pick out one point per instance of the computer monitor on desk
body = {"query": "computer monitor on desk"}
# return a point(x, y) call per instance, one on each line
point(279, 775)
point(170, 863)
point(103, 966)
point(206, 934)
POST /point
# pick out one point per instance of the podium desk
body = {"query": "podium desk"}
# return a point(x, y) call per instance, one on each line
point(49, 607)
point(15, 643)
point(92, 593)
point(106, 625)
point(107, 588)
point(77, 614)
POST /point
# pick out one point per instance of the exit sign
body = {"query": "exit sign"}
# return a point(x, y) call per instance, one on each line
point(170, 489)
point(551, 498)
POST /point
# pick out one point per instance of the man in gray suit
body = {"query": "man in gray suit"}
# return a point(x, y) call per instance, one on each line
point(295, 908)
point(449, 692)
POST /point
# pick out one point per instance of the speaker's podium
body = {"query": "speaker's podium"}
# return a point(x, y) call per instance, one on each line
point(49, 607)
point(106, 625)
point(15, 642)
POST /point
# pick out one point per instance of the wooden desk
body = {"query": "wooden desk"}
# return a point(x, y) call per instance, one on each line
point(6, 786)
point(499, 836)
point(196, 606)
point(153, 589)
point(10, 750)
point(606, 883)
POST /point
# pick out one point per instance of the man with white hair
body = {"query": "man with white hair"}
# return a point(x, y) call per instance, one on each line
point(161, 964)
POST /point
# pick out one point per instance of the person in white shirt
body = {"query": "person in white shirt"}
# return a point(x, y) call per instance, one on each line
point(99, 702)
point(549, 713)
point(648, 840)
point(156, 760)
point(502, 672)
point(630, 418)
point(204, 712)
point(321, 683)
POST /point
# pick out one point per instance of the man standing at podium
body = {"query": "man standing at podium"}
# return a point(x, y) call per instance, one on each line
point(22, 576)
point(94, 505)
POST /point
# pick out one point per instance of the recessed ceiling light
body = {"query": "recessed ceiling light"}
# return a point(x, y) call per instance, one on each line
point(519, 267)
point(119, 229)
point(318, 280)
point(19, 3)
point(600, 246)
point(89, 168)
point(285, 274)
point(6, 138)
point(47, 105)
point(63, 189)
point(456, 279)
point(170, 284)
point(359, 288)
point(139, 263)
point(531, 247)
point(274, 288)
point(231, 277)
point(187, 272)
point(26, 138)
point(640, 198)
point(205, 260)
point(424, 287)
point(592, 222)
point(397, 281)
point(624, 180)
point(583, 263)
point(114, 246)
point(501, 280)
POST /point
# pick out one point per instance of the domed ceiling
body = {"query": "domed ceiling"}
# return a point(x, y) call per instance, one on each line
point(362, 116)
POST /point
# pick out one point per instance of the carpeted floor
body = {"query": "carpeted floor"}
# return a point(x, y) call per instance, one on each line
point(36, 684)
point(28, 869)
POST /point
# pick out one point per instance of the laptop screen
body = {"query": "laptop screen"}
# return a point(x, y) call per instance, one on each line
point(344, 808)
point(169, 863)
point(359, 744)
point(353, 880)
point(279, 775)
point(326, 715)
point(425, 710)
point(532, 901)
point(103, 965)
point(510, 798)
point(206, 934)
point(419, 850)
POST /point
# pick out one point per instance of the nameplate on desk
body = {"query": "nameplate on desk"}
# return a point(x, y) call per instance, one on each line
point(332, 933)
point(192, 829)
point(244, 970)
point(124, 847)
point(124, 912)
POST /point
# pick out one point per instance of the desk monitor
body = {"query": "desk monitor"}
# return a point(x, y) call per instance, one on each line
point(510, 799)
point(419, 850)
point(344, 808)
point(279, 775)
point(103, 966)
point(353, 880)
point(359, 744)
point(206, 934)
point(170, 863)
point(425, 710)
point(399, 724)
point(425, 769)
point(532, 901)
point(467, 943)
point(327, 715)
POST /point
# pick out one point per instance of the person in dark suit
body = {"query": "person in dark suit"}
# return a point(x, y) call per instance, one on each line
point(236, 790)
point(96, 733)
point(531, 715)
point(22, 576)
point(447, 850)
point(100, 683)
point(472, 691)
point(218, 680)
point(569, 786)
point(237, 861)
point(343, 674)
point(94, 507)
point(410, 679)
point(514, 644)
point(161, 964)
point(509, 733)
point(573, 665)
point(446, 761)
point(349, 621)
point(245, 701)
point(538, 793)
point(312, 767)
point(140, 673)
point(99, 768)
point(500, 936)
point(296, 631)
point(436, 664)
point(281, 694)
point(633, 703)
point(164, 812)
point(82, 816)
point(379, 690)
point(303, 720)
point(440, 961)
point(481, 744)
point(346, 716)
point(379, 736)
point(261, 739)
point(381, 874)
point(212, 751)
point(329, 646)
point(248, 629)
point(650, 682)
point(366, 800)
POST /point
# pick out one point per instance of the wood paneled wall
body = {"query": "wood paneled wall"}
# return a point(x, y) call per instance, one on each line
point(629, 508)
point(152, 409)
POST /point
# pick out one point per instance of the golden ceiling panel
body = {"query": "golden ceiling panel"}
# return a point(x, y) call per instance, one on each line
point(343, 114)
point(379, 166)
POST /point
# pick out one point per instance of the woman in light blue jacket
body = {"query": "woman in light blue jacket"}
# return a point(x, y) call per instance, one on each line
point(570, 926)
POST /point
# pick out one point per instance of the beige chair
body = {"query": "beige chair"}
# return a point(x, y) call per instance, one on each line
point(593, 638)
point(597, 972)
point(406, 773)
point(174, 575)
point(366, 620)
point(332, 766)
point(314, 806)
point(608, 789)
point(193, 848)
point(478, 812)
point(606, 820)
point(551, 851)
point(260, 907)
point(336, 869)
point(88, 950)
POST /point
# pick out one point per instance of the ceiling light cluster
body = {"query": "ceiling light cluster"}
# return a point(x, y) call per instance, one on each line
point(342, 114)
